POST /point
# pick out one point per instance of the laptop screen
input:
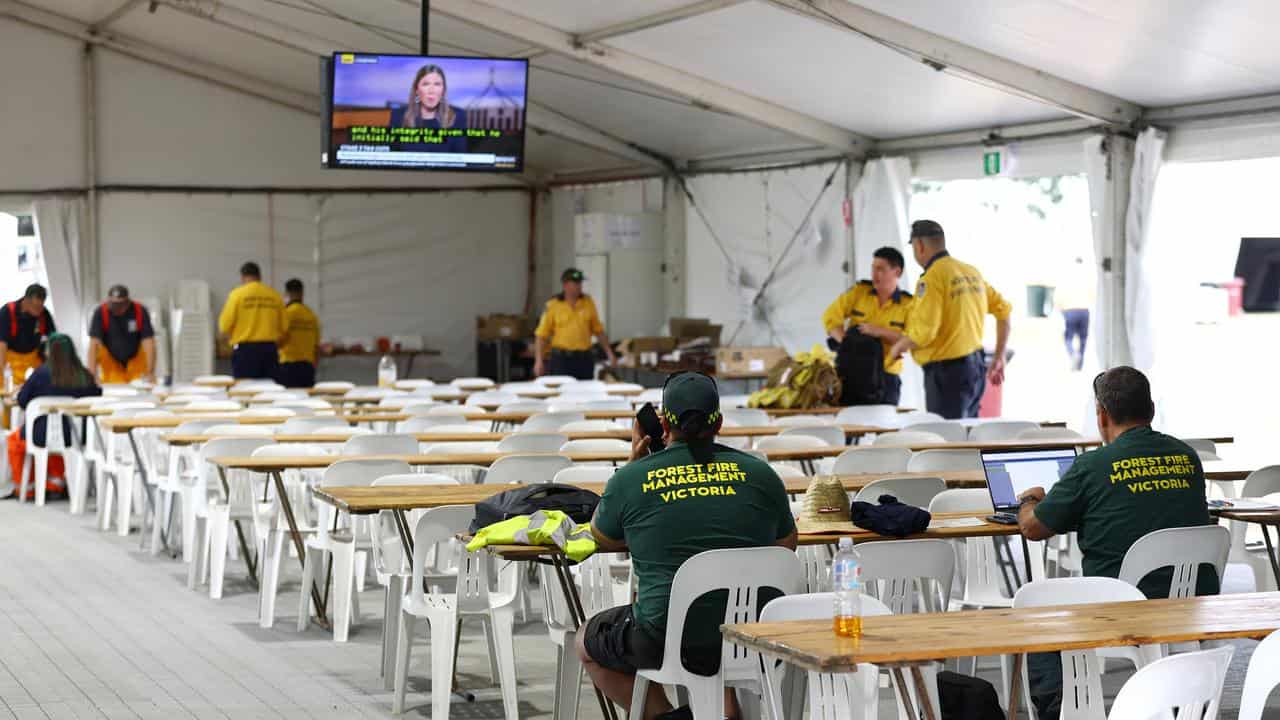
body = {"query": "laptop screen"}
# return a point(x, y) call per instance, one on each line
point(1012, 472)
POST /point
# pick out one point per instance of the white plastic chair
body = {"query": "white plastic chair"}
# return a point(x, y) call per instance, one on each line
point(948, 430)
point(335, 429)
point(867, 460)
point(831, 435)
point(271, 411)
point(1262, 677)
point(271, 527)
point(832, 696)
point(559, 381)
point(258, 385)
point(169, 484)
point(528, 469)
point(238, 430)
point(467, 411)
point(915, 417)
point(606, 404)
point(411, 385)
point(1184, 549)
point(491, 397)
point(380, 444)
point(444, 613)
point(875, 415)
point(523, 406)
point(1082, 696)
point(393, 568)
point(532, 442)
point(599, 592)
point(428, 423)
point(1000, 430)
point(205, 505)
point(789, 442)
point(56, 442)
point(212, 406)
point(917, 491)
point(469, 428)
point(303, 425)
point(743, 573)
point(746, 417)
point(274, 395)
point(910, 576)
point(785, 471)
point(579, 474)
point(1190, 683)
point(940, 460)
point(903, 438)
point(596, 445)
point(341, 542)
point(1049, 433)
point(551, 422)
point(584, 386)
point(472, 383)
point(334, 386)
point(1260, 483)
point(462, 447)
point(399, 402)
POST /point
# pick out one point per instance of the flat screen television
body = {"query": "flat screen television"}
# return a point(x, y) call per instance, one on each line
point(419, 112)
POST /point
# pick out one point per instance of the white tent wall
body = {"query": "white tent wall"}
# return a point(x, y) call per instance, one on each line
point(41, 128)
point(423, 265)
point(755, 215)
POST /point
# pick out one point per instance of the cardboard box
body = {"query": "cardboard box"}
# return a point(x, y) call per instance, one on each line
point(647, 345)
point(748, 362)
point(501, 327)
point(685, 329)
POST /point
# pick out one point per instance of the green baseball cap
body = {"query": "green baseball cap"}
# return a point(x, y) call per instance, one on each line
point(572, 275)
point(691, 401)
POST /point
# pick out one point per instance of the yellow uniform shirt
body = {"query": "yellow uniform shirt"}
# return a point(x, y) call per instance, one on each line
point(253, 313)
point(569, 327)
point(860, 304)
point(951, 303)
point(302, 329)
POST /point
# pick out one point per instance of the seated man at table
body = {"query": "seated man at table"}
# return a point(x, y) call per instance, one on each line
point(1138, 482)
point(664, 508)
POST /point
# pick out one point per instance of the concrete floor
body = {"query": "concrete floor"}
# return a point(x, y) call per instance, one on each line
point(91, 627)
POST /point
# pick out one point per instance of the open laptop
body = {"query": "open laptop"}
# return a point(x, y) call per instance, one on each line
point(1012, 472)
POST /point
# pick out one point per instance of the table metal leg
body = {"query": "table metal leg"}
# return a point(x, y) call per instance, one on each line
point(1271, 550)
point(904, 692)
point(922, 694)
point(578, 617)
point(1002, 543)
point(286, 507)
point(146, 491)
point(1026, 557)
point(1015, 686)
point(770, 694)
point(244, 545)
point(406, 540)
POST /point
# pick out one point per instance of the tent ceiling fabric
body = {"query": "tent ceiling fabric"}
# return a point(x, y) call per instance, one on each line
point(1147, 52)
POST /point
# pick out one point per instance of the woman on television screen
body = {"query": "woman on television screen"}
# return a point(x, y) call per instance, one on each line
point(429, 107)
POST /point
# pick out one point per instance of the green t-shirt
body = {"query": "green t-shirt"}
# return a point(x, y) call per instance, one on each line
point(1143, 482)
point(682, 501)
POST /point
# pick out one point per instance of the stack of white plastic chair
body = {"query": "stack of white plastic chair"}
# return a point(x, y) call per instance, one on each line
point(270, 526)
point(444, 612)
point(213, 507)
point(341, 536)
point(192, 323)
point(37, 458)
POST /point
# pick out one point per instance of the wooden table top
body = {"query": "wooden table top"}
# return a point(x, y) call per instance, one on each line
point(123, 425)
point(310, 462)
point(1261, 517)
point(912, 639)
point(984, 529)
point(367, 500)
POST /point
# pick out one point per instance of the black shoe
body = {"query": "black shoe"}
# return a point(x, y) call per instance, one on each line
point(680, 713)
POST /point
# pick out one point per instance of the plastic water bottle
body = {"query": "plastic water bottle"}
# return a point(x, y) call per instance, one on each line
point(846, 582)
point(386, 372)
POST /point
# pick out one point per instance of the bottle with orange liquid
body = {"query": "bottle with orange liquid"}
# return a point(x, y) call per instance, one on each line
point(846, 583)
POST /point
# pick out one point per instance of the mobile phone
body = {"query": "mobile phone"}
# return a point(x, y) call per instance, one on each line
point(650, 425)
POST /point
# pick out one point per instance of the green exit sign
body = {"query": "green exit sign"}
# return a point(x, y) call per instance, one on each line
point(991, 162)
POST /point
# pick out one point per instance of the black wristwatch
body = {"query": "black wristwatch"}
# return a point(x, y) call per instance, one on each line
point(1025, 500)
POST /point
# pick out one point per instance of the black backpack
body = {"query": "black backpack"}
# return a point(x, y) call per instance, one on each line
point(964, 697)
point(860, 365)
point(573, 501)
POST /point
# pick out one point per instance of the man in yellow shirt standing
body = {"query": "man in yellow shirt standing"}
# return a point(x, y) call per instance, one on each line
point(876, 308)
point(944, 331)
point(253, 322)
point(568, 324)
point(302, 338)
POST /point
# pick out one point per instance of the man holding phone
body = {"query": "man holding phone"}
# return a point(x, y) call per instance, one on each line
point(665, 507)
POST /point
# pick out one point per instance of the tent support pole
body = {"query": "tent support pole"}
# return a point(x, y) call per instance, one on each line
point(425, 31)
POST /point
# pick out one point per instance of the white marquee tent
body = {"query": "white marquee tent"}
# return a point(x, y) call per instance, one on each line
point(177, 138)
